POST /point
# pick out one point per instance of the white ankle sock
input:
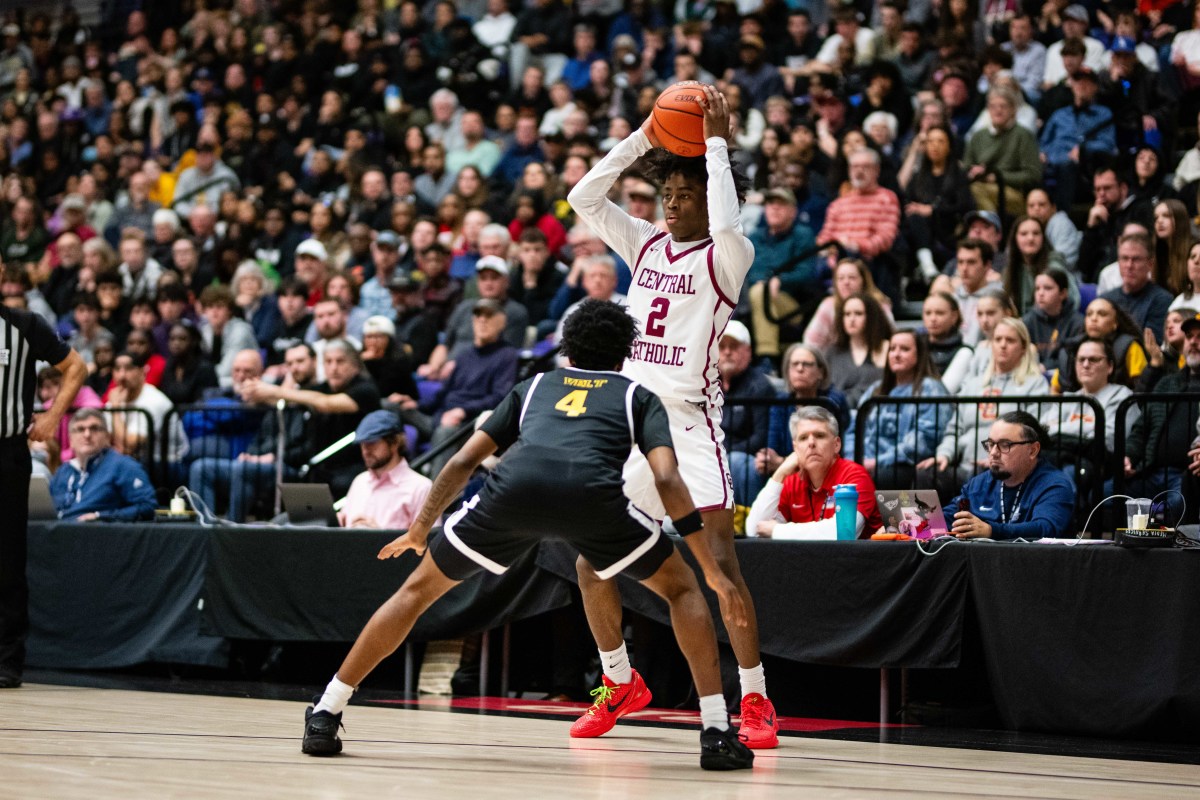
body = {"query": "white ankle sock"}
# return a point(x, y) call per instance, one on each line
point(713, 713)
point(753, 680)
point(616, 664)
point(337, 695)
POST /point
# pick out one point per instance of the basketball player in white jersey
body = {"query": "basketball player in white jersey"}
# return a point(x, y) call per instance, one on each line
point(685, 286)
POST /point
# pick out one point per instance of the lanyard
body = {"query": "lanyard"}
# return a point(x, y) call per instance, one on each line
point(812, 506)
point(1016, 512)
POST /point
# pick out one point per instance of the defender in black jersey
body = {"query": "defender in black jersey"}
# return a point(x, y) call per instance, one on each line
point(567, 435)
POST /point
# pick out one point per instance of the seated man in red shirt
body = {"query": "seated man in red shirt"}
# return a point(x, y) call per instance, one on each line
point(797, 503)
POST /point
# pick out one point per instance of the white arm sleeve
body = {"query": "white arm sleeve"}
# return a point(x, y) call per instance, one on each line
point(823, 530)
point(589, 198)
point(958, 370)
point(766, 506)
point(733, 252)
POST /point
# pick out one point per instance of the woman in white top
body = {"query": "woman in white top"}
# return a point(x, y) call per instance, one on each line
point(1188, 297)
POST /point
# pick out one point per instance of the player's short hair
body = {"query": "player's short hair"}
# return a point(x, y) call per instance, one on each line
point(660, 164)
point(599, 335)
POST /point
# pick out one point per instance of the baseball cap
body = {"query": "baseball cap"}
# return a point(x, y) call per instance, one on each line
point(781, 194)
point(494, 263)
point(377, 425)
point(1076, 12)
point(11, 29)
point(989, 217)
point(388, 239)
point(1086, 74)
point(379, 324)
point(1123, 44)
point(311, 247)
point(403, 281)
point(1190, 323)
point(488, 306)
point(73, 202)
point(737, 331)
point(202, 74)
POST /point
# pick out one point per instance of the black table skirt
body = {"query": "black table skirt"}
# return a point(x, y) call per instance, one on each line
point(323, 584)
point(103, 596)
point(1094, 640)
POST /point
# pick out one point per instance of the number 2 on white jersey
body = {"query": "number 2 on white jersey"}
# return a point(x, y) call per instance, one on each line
point(655, 324)
point(572, 403)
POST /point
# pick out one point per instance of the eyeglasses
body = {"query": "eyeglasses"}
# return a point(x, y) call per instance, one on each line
point(805, 364)
point(89, 429)
point(1004, 446)
point(1089, 359)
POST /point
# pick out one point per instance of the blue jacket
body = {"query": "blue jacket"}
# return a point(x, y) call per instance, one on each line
point(1043, 508)
point(897, 434)
point(113, 484)
point(1090, 129)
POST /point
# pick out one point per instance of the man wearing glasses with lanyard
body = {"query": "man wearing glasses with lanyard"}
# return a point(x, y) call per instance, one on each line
point(1021, 496)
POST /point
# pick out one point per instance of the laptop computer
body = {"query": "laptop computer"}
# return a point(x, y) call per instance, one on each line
point(41, 504)
point(308, 504)
point(913, 512)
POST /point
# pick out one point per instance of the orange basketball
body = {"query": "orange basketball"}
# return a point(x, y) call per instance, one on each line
point(678, 119)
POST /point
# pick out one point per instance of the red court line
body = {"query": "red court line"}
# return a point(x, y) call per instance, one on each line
point(571, 710)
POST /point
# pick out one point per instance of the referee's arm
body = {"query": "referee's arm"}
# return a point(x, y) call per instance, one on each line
point(74, 372)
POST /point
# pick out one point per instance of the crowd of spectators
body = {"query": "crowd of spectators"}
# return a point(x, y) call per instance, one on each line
point(370, 197)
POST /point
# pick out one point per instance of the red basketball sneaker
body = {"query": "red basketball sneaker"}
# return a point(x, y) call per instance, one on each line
point(613, 701)
point(760, 728)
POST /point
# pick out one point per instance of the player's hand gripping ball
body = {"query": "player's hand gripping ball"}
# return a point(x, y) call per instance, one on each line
point(678, 119)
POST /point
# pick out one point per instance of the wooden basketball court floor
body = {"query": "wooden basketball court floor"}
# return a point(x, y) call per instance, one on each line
point(76, 742)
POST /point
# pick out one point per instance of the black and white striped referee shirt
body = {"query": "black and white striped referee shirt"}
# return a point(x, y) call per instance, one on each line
point(25, 339)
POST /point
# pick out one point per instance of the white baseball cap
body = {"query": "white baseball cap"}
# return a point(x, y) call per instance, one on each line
point(311, 247)
point(736, 330)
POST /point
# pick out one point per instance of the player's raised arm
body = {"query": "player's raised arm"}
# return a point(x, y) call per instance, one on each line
point(734, 252)
point(589, 198)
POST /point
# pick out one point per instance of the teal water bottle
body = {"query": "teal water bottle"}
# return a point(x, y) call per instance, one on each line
point(845, 499)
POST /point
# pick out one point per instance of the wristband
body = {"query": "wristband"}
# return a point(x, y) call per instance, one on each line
point(689, 524)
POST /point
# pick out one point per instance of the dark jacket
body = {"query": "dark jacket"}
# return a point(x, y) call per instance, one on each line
point(746, 426)
point(481, 378)
point(1049, 335)
point(1162, 436)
